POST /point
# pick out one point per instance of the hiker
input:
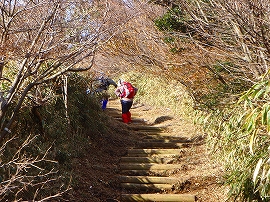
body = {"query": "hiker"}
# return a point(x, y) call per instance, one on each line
point(104, 84)
point(100, 86)
point(104, 101)
point(126, 91)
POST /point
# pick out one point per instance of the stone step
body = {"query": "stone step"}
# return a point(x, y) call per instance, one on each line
point(116, 114)
point(155, 155)
point(153, 134)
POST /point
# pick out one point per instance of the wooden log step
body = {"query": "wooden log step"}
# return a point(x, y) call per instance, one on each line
point(155, 134)
point(148, 180)
point(154, 151)
point(166, 139)
point(152, 187)
point(159, 145)
point(154, 155)
point(148, 166)
point(116, 114)
point(153, 159)
point(145, 128)
point(158, 197)
point(145, 173)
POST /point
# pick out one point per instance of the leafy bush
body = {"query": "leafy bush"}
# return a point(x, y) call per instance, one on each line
point(172, 20)
point(239, 136)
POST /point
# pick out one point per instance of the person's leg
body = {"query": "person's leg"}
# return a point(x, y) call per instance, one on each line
point(129, 116)
point(124, 111)
point(104, 103)
point(126, 116)
point(128, 113)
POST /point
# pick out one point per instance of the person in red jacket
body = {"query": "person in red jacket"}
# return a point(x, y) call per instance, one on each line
point(126, 91)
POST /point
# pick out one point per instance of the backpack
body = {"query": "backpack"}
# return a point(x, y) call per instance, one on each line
point(129, 91)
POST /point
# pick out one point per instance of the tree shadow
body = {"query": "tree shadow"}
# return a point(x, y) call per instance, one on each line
point(162, 119)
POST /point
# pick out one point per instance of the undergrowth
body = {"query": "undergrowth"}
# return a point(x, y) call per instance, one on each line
point(36, 161)
point(238, 136)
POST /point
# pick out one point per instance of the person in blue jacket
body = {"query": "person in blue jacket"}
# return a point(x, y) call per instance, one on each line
point(100, 85)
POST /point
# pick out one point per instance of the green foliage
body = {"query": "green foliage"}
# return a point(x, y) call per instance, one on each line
point(176, 50)
point(169, 39)
point(172, 20)
point(239, 137)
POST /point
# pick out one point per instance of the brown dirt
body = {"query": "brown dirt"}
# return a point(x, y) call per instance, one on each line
point(97, 169)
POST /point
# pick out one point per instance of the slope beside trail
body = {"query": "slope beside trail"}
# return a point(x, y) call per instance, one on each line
point(104, 171)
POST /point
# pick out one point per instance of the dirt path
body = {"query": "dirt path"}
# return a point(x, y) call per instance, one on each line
point(99, 170)
point(198, 174)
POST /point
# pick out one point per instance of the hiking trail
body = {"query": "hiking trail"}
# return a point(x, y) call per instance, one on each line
point(169, 162)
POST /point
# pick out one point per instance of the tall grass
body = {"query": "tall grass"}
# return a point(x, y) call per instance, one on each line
point(159, 91)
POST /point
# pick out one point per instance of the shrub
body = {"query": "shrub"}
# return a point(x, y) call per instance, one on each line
point(36, 162)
